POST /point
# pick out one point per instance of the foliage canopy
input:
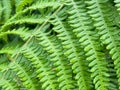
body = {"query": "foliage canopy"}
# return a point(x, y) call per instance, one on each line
point(59, 45)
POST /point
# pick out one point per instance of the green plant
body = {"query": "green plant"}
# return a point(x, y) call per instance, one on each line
point(59, 45)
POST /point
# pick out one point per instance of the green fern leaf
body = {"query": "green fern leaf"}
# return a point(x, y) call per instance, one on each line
point(81, 23)
point(72, 51)
point(24, 73)
point(8, 84)
point(45, 74)
point(53, 47)
point(107, 32)
point(59, 45)
point(22, 4)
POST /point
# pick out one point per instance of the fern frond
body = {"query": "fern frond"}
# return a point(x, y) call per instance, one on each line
point(44, 4)
point(36, 6)
point(113, 75)
point(27, 20)
point(30, 21)
point(20, 66)
point(108, 33)
point(117, 5)
point(23, 32)
point(59, 45)
point(53, 47)
point(10, 48)
point(72, 51)
point(84, 30)
point(115, 15)
point(45, 73)
point(24, 71)
point(8, 84)
point(22, 4)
